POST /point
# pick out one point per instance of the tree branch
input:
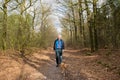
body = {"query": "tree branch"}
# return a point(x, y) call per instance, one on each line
point(31, 4)
point(1, 8)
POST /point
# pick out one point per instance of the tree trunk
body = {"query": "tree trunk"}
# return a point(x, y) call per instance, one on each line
point(94, 24)
point(91, 36)
point(4, 35)
point(115, 31)
point(74, 20)
point(89, 23)
point(80, 16)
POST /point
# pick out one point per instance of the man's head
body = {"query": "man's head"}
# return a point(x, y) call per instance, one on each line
point(59, 36)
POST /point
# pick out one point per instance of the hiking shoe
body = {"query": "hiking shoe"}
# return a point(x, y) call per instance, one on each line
point(57, 65)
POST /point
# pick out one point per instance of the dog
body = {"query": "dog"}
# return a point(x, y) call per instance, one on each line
point(63, 67)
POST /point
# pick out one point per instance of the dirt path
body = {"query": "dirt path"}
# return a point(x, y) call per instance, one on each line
point(41, 66)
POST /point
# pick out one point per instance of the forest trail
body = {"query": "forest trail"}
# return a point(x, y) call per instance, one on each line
point(38, 66)
point(41, 66)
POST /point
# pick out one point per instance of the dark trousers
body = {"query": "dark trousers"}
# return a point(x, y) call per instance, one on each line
point(58, 56)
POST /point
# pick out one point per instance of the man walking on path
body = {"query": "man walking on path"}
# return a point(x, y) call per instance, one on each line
point(58, 47)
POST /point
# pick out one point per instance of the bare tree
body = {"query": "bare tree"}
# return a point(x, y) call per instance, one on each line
point(4, 32)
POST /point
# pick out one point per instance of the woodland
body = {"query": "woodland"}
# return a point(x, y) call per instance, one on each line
point(89, 28)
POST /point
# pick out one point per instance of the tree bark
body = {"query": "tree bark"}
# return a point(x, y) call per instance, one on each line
point(89, 24)
point(74, 20)
point(94, 24)
point(4, 35)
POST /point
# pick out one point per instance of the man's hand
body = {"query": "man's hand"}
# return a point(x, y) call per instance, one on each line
point(63, 50)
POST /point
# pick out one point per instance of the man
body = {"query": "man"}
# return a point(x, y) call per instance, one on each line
point(58, 47)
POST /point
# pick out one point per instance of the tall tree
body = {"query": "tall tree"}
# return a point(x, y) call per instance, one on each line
point(89, 24)
point(4, 32)
point(94, 24)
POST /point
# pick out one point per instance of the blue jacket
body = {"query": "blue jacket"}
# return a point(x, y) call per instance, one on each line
point(56, 45)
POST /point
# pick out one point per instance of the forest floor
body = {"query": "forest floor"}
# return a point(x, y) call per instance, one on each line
point(77, 65)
